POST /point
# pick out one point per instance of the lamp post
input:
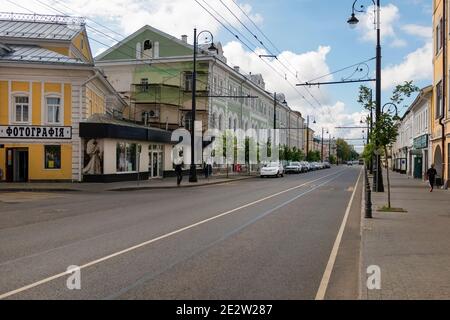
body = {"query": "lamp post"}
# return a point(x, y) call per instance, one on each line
point(321, 154)
point(353, 21)
point(193, 168)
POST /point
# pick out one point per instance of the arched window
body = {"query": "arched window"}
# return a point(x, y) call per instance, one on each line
point(229, 123)
point(213, 121)
point(220, 122)
point(235, 125)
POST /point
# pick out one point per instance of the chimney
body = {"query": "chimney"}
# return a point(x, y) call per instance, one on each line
point(237, 69)
point(184, 38)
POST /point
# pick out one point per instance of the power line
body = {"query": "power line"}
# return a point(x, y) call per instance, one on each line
point(247, 46)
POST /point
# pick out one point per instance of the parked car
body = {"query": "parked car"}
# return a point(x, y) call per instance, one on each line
point(294, 167)
point(349, 163)
point(306, 167)
point(326, 165)
point(272, 169)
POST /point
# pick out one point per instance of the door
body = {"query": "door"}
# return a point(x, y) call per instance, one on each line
point(156, 165)
point(418, 165)
point(17, 165)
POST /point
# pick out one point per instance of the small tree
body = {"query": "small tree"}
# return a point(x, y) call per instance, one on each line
point(386, 129)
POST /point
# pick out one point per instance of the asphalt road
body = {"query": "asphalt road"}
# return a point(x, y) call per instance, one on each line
point(253, 239)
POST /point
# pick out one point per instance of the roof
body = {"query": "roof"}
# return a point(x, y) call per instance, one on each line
point(36, 54)
point(42, 27)
point(133, 35)
point(103, 126)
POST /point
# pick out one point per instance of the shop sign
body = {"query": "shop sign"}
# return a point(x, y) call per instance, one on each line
point(35, 132)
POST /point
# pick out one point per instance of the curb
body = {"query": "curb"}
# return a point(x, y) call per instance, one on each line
point(361, 255)
point(179, 187)
point(39, 190)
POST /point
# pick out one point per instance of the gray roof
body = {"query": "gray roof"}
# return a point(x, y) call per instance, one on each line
point(28, 53)
point(38, 30)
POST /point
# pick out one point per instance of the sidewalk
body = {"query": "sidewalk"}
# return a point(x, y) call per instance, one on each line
point(166, 183)
point(412, 249)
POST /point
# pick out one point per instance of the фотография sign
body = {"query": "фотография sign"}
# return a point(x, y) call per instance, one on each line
point(35, 132)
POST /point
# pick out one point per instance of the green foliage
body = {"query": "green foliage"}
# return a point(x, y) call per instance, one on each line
point(313, 156)
point(333, 159)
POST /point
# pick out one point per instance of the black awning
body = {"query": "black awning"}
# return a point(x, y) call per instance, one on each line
point(93, 130)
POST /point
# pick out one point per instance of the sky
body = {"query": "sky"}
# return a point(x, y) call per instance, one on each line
point(311, 38)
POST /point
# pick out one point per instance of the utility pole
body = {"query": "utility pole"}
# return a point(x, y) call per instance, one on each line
point(322, 145)
point(378, 179)
point(307, 137)
point(193, 169)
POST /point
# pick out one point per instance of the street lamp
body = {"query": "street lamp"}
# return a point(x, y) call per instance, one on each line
point(353, 21)
point(212, 47)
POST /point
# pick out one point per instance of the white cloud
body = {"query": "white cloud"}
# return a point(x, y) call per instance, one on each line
point(415, 66)
point(418, 30)
point(390, 16)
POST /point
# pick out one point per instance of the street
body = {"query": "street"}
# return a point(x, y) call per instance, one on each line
point(251, 239)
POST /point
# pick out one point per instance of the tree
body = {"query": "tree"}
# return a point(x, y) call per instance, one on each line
point(386, 129)
point(332, 159)
point(313, 156)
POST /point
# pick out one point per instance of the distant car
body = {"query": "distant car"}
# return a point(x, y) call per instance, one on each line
point(293, 167)
point(273, 169)
point(350, 163)
point(306, 167)
point(327, 165)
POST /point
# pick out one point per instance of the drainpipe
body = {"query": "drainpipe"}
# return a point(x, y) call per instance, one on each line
point(444, 85)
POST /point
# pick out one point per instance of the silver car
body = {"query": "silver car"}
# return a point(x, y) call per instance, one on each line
point(294, 167)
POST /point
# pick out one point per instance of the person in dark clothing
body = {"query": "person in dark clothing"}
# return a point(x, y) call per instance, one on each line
point(431, 174)
point(179, 173)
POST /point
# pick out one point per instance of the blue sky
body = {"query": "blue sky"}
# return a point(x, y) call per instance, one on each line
point(312, 34)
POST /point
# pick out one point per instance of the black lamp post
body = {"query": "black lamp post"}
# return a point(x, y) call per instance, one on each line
point(353, 21)
point(193, 168)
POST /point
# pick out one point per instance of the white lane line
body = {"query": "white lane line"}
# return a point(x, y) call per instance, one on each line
point(330, 265)
point(167, 235)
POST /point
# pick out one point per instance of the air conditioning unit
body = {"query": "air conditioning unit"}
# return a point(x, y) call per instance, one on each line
point(153, 114)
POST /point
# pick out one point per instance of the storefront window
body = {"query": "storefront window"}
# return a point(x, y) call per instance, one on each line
point(126, 157)
point(52, 157)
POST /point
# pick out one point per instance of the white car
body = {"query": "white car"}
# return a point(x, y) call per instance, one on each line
point(294, 167)
point(273, 169)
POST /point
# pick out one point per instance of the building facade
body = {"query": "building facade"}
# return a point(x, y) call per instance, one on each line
point(60, 119)
point(411, 152)
point(439, 116)
point(153, 70)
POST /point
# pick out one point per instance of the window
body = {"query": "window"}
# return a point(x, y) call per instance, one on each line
point(438, 36)
point(439, 101)
point(144, 85)
point(52, 157)
point(126, 157)
point(188, 81)
point(53, 109)
point(21, 108)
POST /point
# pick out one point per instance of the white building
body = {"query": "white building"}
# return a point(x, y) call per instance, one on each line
point(411, 152)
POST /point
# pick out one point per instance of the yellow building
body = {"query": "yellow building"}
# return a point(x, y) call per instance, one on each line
point(440, 129)
point(48, 85)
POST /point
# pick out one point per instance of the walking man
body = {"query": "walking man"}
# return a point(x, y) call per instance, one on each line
point(179, 173)
point(431, 174)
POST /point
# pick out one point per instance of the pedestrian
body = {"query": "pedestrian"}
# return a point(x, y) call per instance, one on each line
point(431, 175)
point(179, 173)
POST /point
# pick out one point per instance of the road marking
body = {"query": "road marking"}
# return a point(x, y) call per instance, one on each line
point(330, 265)
point(167, 235)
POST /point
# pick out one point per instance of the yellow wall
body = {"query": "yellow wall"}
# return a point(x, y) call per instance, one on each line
point(95, 103)
point(67, 104)
point(20, 86)
point(85, 50)
point(438, 67)
point(36, 103)
point(4, 97)
point(36, 163)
